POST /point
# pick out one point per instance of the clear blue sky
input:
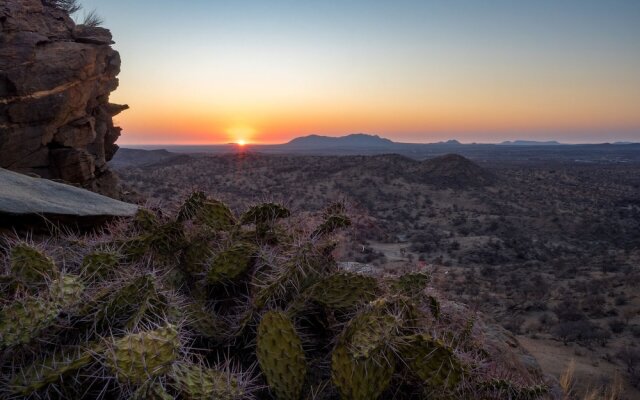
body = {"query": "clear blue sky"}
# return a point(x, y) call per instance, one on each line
point(422, 71)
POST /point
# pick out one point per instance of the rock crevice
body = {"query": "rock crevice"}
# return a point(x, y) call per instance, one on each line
point(55, 80)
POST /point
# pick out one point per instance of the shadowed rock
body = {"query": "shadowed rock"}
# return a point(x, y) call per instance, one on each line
point(22, 197)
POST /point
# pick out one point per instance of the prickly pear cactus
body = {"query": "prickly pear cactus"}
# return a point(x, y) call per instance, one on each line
point(24, 319)
point(333, 223)
point(280, 355)
point(343, 290)
point(213, 214)
point(107, 327)
point(411, 284)
point(138, 357)
point(361, 379)
point(53, 369)
point(66, 290)
point(99, 264)
point(264, 213)
point(369, 333)
point(30, 266)
point(431, 361)
point(195, 382)
point(195, 257)
point(230, 263)
point(145, 220)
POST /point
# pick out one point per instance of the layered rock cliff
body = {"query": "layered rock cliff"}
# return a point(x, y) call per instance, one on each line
point(55, 81)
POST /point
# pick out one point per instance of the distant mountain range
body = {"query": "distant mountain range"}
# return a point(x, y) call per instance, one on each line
point(531, 143)
point(364, 144)
point(356, 139)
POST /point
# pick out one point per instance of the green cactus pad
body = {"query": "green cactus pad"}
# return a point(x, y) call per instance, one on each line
point(434, 305)
point(66, 290)
point(411, 284)
point(195, 257)
point(30, 266)
point(204, 322)
point(333, 223)
point(431, 361)
point(360, 379)
point(343, 290)
point(145, 220)
point(140, 356)
point(24, 319)
point(211, 213)
point(168, 239)
point(280, 355)
point(195, 382)
point(44, 372)
point(230, 263)
point(120, 303)
point(100, 264)
point(151, 390)
point(369, 333)
point(264, 213)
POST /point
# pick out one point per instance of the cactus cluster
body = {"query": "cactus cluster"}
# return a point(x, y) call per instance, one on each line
point(207, 305)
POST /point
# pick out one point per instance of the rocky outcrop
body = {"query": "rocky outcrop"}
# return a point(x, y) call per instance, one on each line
point(55, 81)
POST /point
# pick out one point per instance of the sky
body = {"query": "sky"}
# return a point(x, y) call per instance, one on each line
point(209, 71)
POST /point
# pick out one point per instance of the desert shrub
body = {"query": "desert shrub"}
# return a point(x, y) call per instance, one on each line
point(617, 326)
point(581, 331)
point(92, 19)
point(206, 304)
point(70, 6)
point(630, 357)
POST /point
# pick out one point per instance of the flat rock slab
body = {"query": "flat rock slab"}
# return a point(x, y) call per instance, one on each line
point(24, 195)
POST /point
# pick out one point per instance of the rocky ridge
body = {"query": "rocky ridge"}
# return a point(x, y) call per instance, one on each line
point(55, 80)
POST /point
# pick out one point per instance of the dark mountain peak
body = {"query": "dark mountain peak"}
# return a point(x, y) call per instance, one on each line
point(530, 143)
point(450, 142)
point(355, 139)
point(455, 171)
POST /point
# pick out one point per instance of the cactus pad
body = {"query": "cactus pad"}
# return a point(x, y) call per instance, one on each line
point(333, 223)
point(343, 290)
point(264, 213)
point(360, 379)
point(433, 362)
point(230, 263)
point(140, 356)
point(66, 290)
point(99, 264)
point(195, 382)
point(44, 372)
point(24, 319)
point(280, 355)
point(30, 266)
point(411, 284)
point(195, 257)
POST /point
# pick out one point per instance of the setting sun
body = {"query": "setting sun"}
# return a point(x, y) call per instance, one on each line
point(241, 134)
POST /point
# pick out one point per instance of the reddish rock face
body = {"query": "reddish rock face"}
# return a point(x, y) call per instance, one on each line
point(55, 81)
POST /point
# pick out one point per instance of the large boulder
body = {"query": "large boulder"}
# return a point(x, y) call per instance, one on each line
point(55, 81)
point(23, 196)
